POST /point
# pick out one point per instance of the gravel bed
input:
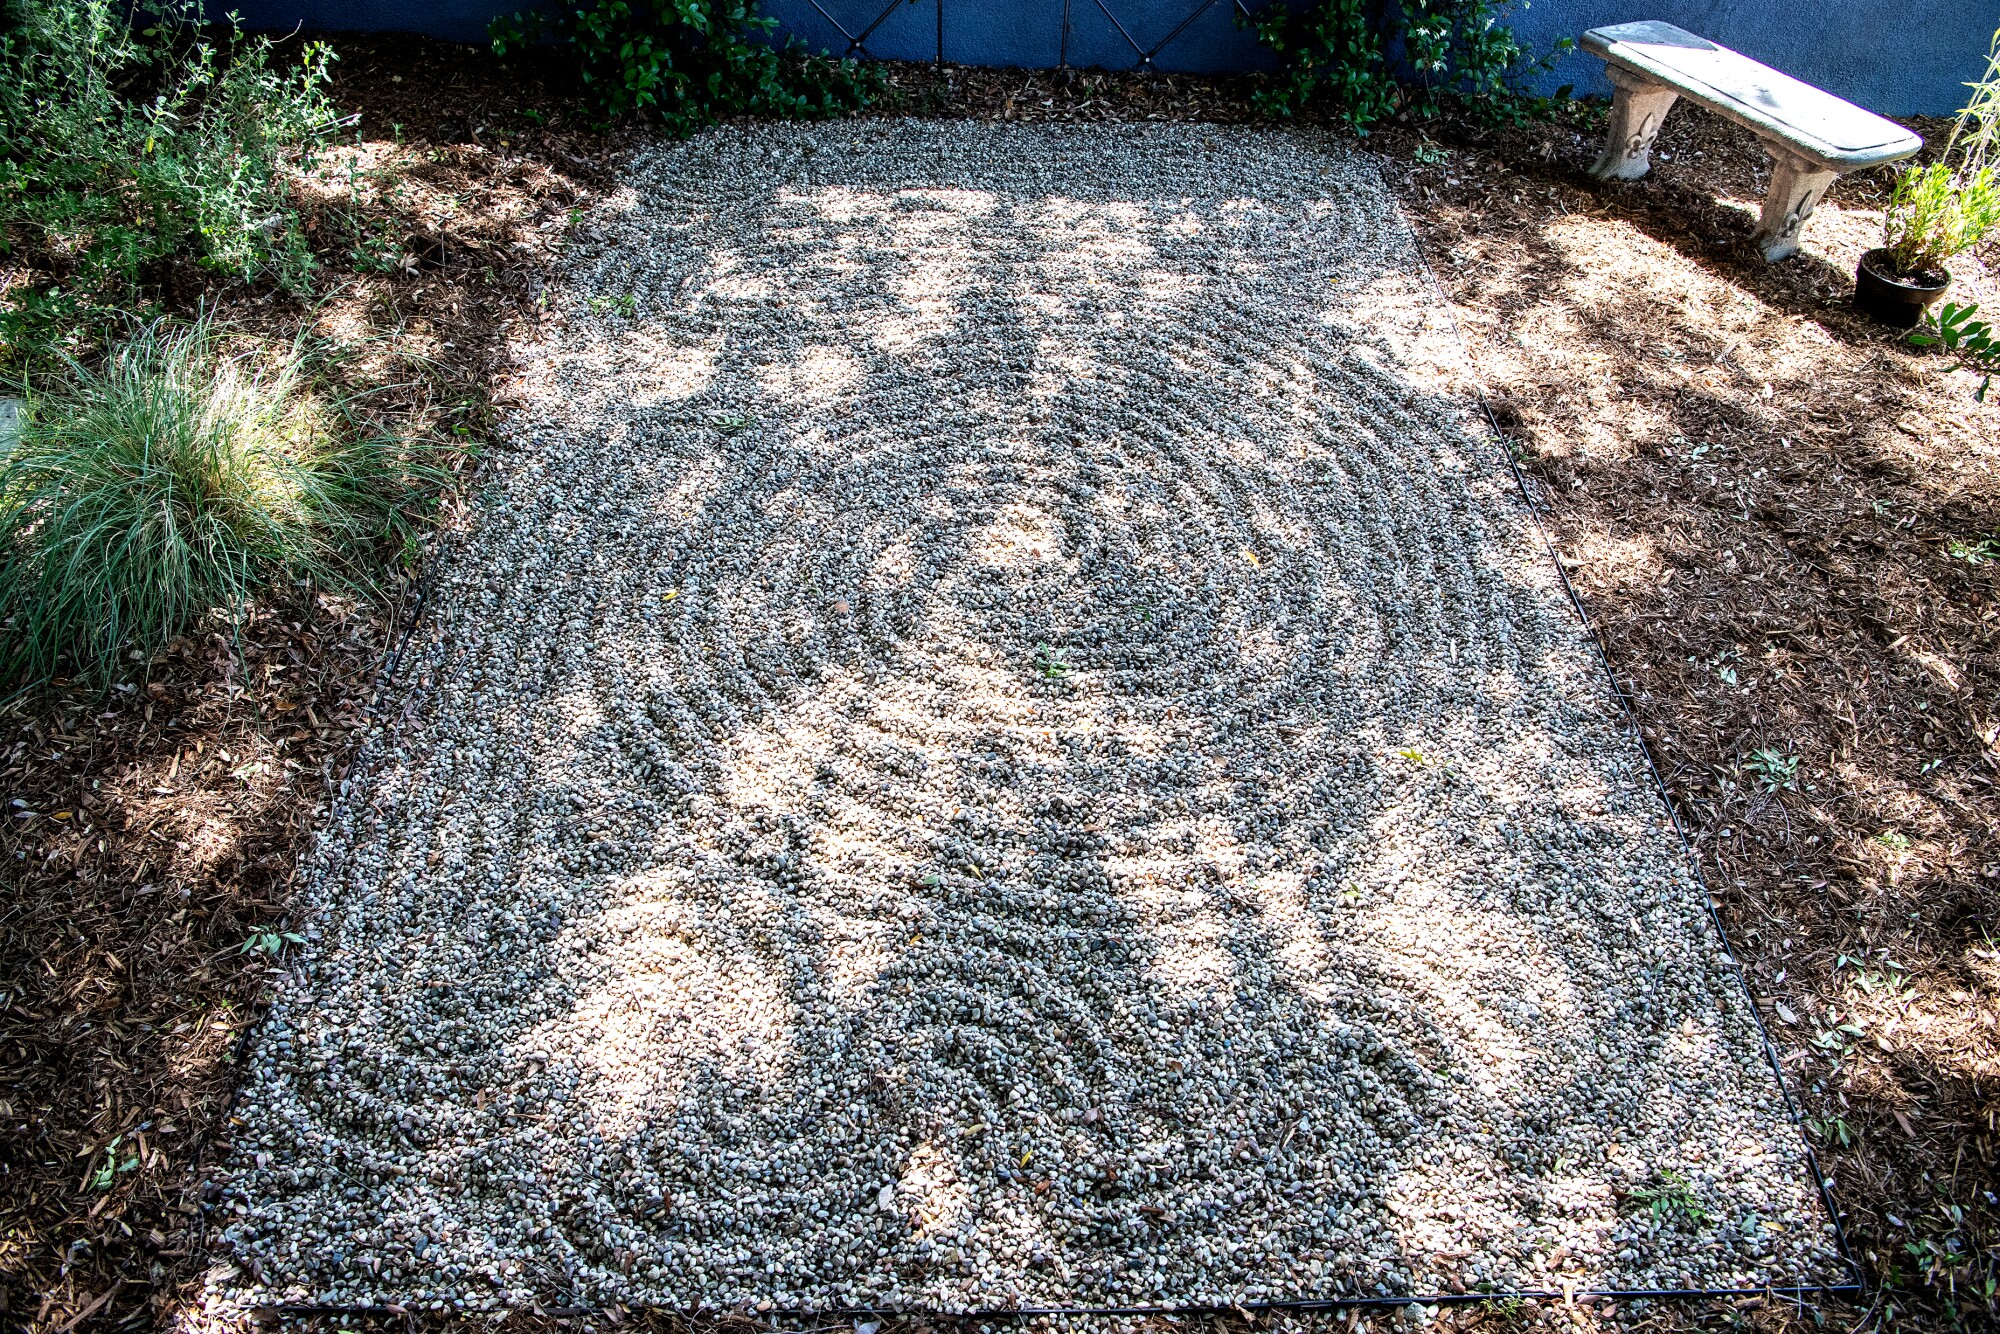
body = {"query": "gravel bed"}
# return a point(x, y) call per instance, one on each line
point(1000, 742)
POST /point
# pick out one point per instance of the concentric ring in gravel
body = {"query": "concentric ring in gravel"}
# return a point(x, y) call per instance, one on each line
point(998, 742)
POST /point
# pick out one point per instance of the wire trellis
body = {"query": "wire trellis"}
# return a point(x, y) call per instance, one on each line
point(857, 40)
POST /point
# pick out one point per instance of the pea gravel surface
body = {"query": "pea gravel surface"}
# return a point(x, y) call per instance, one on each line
point(998, 741)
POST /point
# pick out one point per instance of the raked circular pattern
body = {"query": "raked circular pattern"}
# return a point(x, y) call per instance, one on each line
point(997, 742)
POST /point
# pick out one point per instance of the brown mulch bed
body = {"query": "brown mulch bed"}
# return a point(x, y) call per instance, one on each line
point(1775, 512)
point(151, 832)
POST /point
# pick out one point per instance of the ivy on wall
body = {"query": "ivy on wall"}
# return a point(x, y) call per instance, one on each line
point(689, 63)
point(1363, 60)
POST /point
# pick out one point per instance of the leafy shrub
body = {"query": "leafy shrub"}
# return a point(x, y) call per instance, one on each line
point(173, 479)
point(123, 147)
point(1367, 59)
point(688, 63)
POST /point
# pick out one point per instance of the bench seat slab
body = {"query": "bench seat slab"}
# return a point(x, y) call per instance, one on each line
point(1813, 123)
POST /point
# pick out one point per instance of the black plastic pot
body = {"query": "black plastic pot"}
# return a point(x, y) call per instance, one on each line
point(1881, 296)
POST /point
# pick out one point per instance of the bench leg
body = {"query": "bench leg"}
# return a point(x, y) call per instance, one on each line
point(1638, 109)
point(1797, 186)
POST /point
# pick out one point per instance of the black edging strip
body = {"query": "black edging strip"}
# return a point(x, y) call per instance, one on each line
point(393, 663)
point(409, 1314)
point(1859, 1281)
point(1796, 1294)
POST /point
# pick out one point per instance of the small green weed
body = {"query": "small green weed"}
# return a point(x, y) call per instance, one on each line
point(270, 941)
point(623, 304)
point(1982, 551)
point(1724, 665)
point(731, 423)
point(1051, 663)
point(1968, 340)
point(377, 248)
point(1889, 981)
point(1837, 1039)
point(1671, 1195)
point(1774, 769)
point(108, 1170)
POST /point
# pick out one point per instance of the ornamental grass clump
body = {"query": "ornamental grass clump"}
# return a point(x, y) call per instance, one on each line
point(176, 479)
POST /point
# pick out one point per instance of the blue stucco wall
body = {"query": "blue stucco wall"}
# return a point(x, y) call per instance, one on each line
point(1898, 57)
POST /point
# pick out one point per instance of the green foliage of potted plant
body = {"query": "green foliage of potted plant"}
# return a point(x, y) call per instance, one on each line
point(1936, 212)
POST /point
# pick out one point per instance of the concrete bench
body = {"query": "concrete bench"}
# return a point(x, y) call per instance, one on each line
point(1812, 136)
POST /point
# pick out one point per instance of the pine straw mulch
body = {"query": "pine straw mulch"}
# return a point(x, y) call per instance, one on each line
point(1773, 510)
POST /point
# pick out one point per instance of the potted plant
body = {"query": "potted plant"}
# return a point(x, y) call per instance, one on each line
point(1936, 212)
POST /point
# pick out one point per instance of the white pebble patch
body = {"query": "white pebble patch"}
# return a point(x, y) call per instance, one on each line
point(998, 741)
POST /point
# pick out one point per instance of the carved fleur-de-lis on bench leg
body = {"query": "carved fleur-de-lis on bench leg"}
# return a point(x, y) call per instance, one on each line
point(1797, 186)
point(1638, 109)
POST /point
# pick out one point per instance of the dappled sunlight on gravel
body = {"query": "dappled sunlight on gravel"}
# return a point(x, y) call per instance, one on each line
point(997, 741)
